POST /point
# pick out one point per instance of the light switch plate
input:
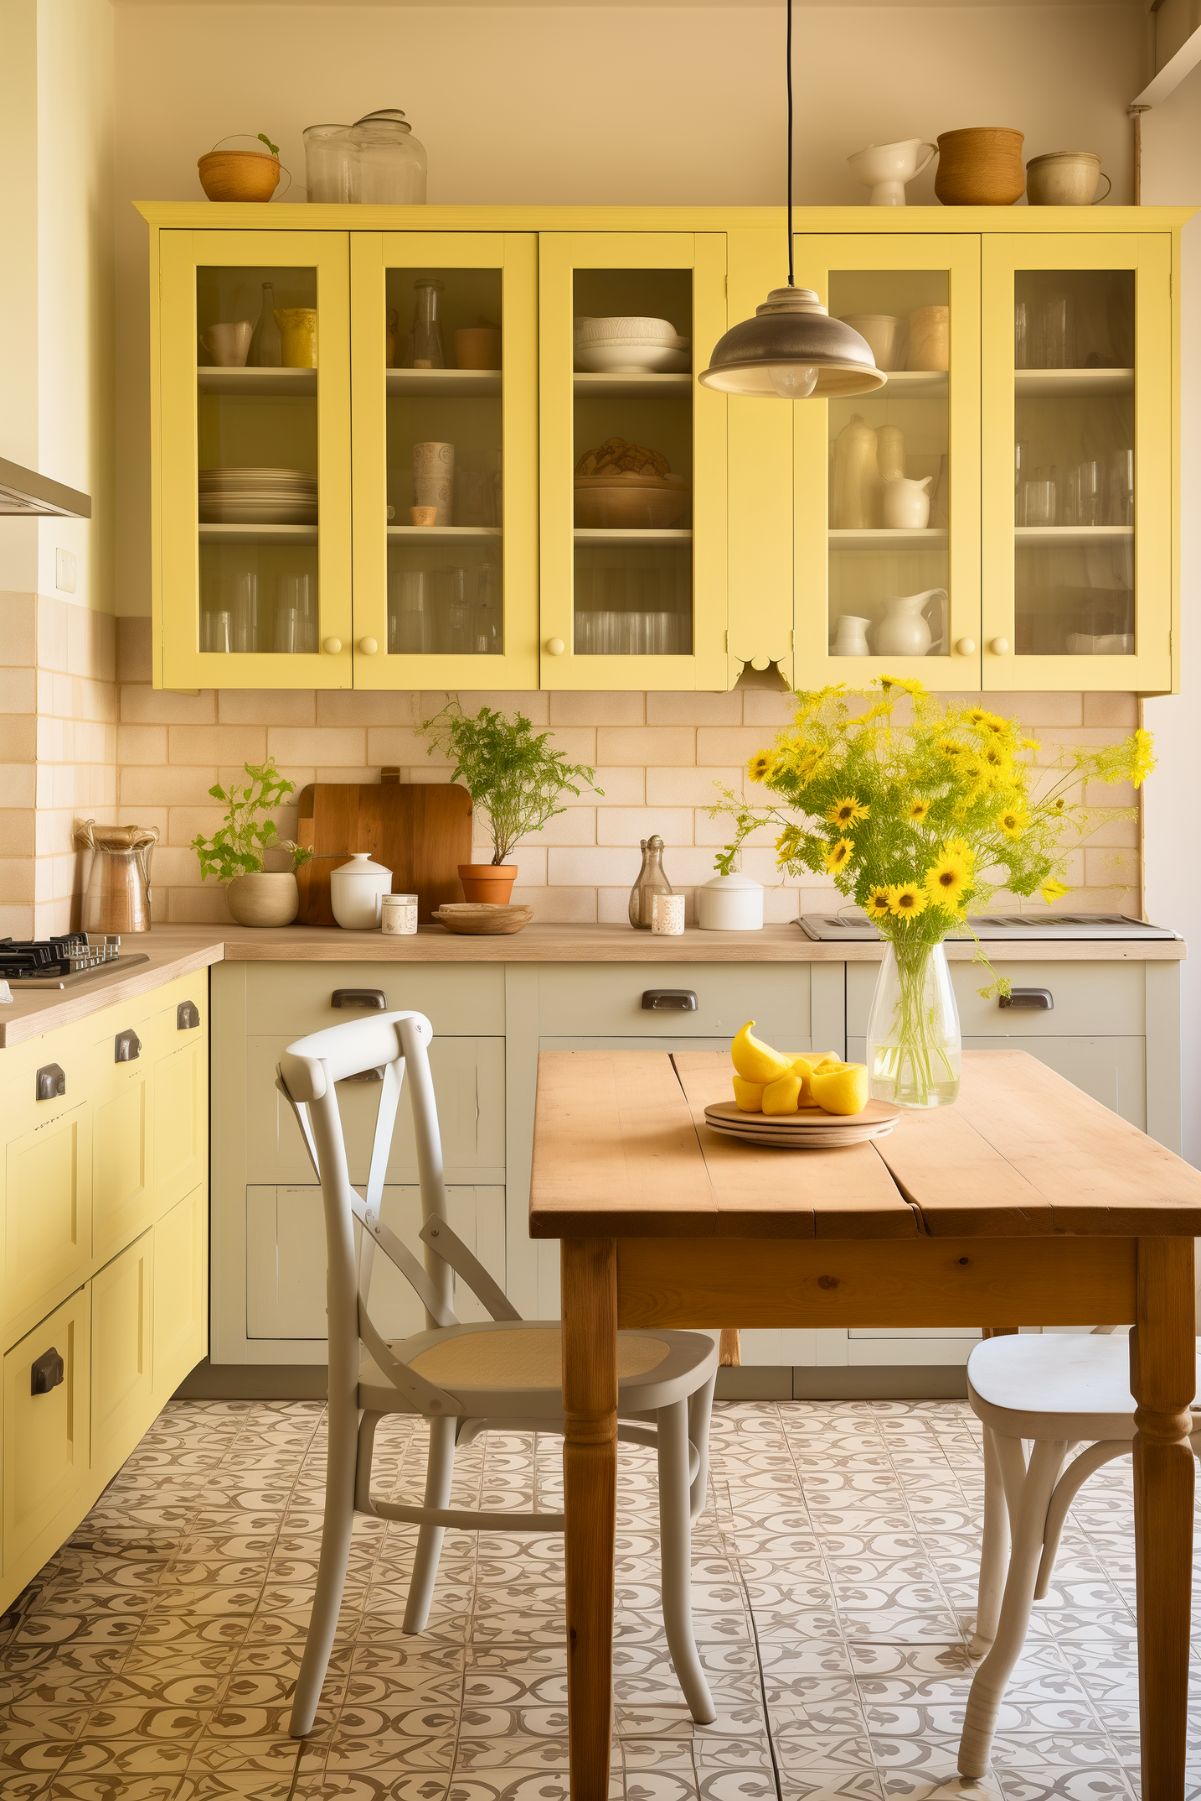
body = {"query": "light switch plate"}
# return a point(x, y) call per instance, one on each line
point(64, 570)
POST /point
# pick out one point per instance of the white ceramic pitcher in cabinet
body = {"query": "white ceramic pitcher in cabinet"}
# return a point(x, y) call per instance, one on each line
point(908, 629)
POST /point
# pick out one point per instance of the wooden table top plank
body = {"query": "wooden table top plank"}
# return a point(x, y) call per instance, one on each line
point(619, 1151)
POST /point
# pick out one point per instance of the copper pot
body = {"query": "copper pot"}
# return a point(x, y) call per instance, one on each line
point(117, 896)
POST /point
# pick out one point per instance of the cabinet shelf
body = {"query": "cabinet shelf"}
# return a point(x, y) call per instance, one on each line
point(634, 534)
point(260, 534)
point(1033, 384)
point(276, 382)
point(886, 538)
point(462, 384)
point(440, 534)
point(1058, 537)
point(909, 384)
point(630, 387)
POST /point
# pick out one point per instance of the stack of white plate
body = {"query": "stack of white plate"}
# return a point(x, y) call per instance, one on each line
point(629, 345)
point(258, 497)
point(810, 1130)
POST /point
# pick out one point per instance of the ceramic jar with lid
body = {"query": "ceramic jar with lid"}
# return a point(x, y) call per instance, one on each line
point(730, 903)
point(356, 892)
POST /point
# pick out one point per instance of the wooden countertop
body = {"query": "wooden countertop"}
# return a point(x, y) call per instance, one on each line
point(175, 950)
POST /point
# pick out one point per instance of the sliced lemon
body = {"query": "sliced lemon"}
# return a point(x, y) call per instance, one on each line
point(840, 1090)
point(748, 1096)
point(782, 1095)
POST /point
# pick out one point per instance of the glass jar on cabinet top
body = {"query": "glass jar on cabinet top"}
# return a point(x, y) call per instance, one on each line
point(376, 161)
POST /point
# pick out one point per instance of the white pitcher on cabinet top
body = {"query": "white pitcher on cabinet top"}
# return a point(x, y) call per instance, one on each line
point(907, 630)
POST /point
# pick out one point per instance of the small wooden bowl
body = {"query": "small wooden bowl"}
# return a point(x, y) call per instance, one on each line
point(238, 174)
point(478, 919)
point(980, 165)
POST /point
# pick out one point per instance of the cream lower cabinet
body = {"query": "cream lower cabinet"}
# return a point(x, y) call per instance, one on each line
point(104, 1233)
point(1111, 1027)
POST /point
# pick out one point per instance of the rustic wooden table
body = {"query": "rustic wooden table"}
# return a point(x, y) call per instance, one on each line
point(1027, 1202)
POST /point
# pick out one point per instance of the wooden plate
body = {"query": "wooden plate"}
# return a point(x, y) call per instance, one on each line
point(482, 918)
point(811, 1129)
point(805, 1120)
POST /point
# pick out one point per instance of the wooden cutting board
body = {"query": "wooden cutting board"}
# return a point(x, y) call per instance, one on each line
point(421, 831)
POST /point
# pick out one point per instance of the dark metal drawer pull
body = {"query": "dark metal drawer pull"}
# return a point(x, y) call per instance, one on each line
point(1028, 997)
point(359, 997)
point(51, 1082)
point(46, 1372)
point(127, 1047)
point(668, 1000)
point(187, 1016)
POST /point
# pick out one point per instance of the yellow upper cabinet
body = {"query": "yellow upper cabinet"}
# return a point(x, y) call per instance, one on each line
point(381, 445)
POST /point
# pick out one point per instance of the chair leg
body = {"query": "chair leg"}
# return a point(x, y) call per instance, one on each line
point(988, 1686)
point(700, 1412)
point(340, 1478)
point(994, 1546)
point(439, 1473)
point(675, 1534)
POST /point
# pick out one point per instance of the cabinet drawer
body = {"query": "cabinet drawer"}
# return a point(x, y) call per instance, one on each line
point(47, 1216)
point(1092, 998)
point(46, 1437)
point(469, 1081)
point(123, 1157)
point(122, 1354)
point(180, 1292)
point(297, 998)
point(285, 1259)
point(606, 1000)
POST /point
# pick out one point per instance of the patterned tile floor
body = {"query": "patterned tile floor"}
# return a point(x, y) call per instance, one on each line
point(834, 1587)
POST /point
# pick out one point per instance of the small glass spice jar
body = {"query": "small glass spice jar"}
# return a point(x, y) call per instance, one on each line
point(398, 918)
point(667, 915)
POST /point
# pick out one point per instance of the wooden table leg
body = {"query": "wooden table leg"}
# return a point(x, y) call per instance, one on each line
point(1162, 1379)
point(590, 1503)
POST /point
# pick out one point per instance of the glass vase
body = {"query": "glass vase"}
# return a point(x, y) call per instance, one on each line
point(913, 1040)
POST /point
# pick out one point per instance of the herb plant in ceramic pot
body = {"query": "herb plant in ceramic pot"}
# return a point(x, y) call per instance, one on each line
point(517, 781)
point(915, 808)
point(237, 851)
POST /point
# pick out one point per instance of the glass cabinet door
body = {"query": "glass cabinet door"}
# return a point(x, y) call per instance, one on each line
point(633, 452)
point(445, 459)
point(887, 505)
point(1078, 462)
point(252, 561)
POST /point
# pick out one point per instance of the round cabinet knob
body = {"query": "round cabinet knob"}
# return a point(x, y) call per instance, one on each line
point(965, 647)
point(555, 647)
point(999, 647)
point(332, 646)
point(368, 646)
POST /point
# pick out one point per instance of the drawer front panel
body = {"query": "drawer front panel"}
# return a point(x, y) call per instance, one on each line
point(46, 1436)
point(1093, 998)
point(297, 998)
point(47, 1211)
point(123, 1160)
point(180, 1101)
point(1112, 1070)
point(285, 1259)
point(606, 1000)
point(122, 1356)
point(469, 1081)
point(180, 1292)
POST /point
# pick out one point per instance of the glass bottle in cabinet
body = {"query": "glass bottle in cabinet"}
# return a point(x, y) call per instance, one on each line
point(255, 539)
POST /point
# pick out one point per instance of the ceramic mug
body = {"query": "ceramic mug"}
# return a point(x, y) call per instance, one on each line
point(882, 332)
point(850, 636)
point(434, 478)
point(477, 347)
point(930, 338)
point(298, 336)
point(1066, 178)
point(229, 343)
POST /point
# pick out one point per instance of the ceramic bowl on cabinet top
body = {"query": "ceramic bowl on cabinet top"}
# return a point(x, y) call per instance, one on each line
point(1065, 178)
point(629, 356)
point(885, 168)
point(356, 892)
point(622, 325)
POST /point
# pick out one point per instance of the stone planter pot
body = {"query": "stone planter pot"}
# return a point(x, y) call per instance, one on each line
point(270, 897)
point(491, 882)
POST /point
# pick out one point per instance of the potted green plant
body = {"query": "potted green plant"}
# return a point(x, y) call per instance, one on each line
point(516, 780)
point(237, 851)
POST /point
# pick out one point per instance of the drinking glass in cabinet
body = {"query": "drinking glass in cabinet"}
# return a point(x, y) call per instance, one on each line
point(888, 553)
point(444, 350)
point(1074, 462)
point(632, 449)
point(256, 457)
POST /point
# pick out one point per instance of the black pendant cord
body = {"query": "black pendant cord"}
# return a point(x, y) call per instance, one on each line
point(788, 86)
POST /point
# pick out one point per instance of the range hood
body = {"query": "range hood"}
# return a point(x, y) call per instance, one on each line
point(24, 492)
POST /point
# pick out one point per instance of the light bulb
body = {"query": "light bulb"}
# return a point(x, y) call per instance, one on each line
point(794, 381)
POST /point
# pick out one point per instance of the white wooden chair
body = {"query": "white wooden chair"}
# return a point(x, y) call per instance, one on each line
point(1053, 1391)
point(502, 1375)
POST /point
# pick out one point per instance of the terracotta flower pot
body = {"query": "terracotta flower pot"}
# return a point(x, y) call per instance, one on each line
point(238, 174)
point(487, 881)
point(270, 897)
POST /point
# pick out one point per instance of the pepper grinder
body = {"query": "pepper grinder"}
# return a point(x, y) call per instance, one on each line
point(651, 881)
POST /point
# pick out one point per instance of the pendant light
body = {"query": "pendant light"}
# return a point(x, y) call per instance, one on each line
point(792, 348)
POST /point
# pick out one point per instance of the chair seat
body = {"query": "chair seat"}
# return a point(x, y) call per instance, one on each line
point(1054, 1386)
point(514, 1368)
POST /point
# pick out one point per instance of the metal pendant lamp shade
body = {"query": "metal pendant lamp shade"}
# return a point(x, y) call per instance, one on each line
point(794, 350)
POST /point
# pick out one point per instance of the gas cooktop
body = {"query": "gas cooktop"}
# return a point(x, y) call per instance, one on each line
point(852, 926)
point(65, 961)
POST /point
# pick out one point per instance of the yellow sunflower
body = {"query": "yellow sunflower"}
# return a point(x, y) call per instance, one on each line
point(876, 906)
point(918, 810)
point(1053, 890)
point(997, 759)
point(847, 811)
point(905, 684)
point(1013, 822)
point(950, 747)
point(1142, 761)
point(839, 855)
point(948, 879)
point(906, 900)
point(762, 766)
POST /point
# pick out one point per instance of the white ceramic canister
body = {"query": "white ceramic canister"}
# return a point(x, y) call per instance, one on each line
point(730, 903)
point(356, 891)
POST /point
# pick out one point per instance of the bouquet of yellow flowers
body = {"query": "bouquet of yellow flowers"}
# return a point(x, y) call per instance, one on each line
point(917, 808)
